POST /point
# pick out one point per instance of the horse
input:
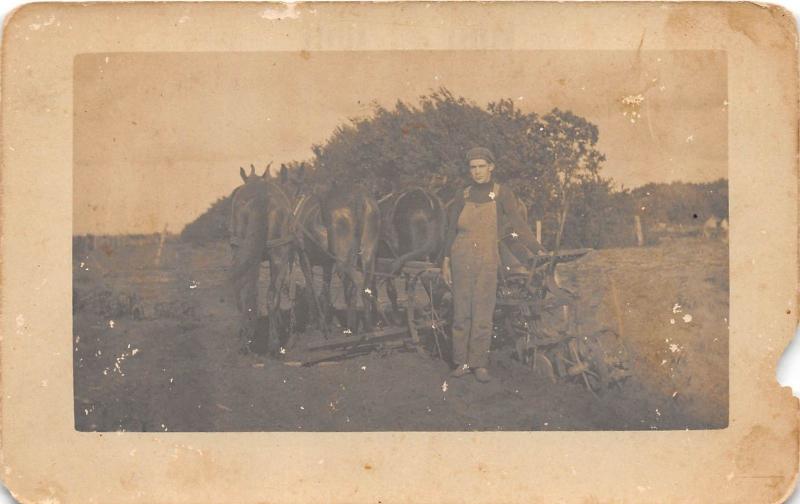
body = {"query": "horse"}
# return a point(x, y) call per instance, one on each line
point(352, 220)
point(412, 228)
point(338, 230)
point(259, 230)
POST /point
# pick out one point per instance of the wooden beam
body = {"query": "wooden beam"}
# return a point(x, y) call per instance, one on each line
point(381, 334)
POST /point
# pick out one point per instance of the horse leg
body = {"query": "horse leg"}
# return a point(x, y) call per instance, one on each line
point(292, 323)
point(278, 274)
point(369, 297)
point(370, 292)
point(367, 287)
point(349, 287)
point(313, 300)
point(327, 278)
point(377, 316)
point(247, 303)
point(391, 292)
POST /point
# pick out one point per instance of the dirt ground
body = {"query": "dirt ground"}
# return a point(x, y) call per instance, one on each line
point(155, 349)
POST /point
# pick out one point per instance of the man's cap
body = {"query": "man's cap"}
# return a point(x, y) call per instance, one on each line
point(480, 153)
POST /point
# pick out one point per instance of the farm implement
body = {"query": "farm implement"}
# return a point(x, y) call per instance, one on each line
point(534, 315)
point(540, 318)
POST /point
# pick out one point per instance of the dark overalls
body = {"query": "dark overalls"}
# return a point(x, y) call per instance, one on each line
point(474, 261)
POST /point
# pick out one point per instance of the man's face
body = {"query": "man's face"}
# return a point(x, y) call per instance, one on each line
point(481, 170)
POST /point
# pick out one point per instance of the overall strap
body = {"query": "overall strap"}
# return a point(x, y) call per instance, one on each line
point(497, 200)
point(466, 192)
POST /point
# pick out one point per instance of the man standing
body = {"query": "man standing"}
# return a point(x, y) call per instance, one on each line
point(471, 259)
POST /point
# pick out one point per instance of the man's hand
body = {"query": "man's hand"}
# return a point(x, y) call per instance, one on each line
point(446, 273)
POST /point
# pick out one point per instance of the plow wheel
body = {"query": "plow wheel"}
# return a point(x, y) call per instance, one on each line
point(598, 361)
point(537, 324)
point(547, 338)
point(608, 358)
point(540, 318)
point(411, 287)
point(428, 308)
point(580, 367)
point(438, 312)
point(543, 366)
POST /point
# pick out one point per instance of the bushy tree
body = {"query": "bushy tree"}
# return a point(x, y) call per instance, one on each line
point(412, 142)
point(545, 158)
point(551, 161)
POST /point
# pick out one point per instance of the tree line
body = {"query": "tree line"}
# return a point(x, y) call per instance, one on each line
point(551, 161)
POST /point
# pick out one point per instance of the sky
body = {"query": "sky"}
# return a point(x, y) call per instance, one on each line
point(158, 137)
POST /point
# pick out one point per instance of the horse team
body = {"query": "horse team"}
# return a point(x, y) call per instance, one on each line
point(289, 220)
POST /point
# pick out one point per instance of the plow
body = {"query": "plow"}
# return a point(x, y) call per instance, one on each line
point(535, 317)
point(541, 320)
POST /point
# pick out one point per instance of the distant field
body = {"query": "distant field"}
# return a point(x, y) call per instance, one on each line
point(156, 349)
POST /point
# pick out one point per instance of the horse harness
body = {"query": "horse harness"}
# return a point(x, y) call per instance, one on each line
point(388, 236)
point(294, 225)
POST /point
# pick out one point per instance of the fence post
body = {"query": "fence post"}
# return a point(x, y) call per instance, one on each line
point(539, 231)
point(161, 239)
point(639, 234)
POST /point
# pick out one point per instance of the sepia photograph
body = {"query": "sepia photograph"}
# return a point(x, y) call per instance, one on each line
point(400, 241)
point(398, 252)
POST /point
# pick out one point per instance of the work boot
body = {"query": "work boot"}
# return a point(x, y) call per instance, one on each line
point(482, 375)
point(460, 371)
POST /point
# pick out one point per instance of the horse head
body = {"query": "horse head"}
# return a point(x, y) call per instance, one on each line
point(296, 182)
point(252, 177)
point(248, 214)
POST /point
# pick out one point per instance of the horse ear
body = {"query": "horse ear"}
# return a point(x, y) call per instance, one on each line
point(266, 170)
point(252, 169)
point(243, 174)
point(284, 174)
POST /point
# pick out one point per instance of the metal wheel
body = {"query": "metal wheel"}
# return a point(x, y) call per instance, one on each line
point(608, 358)
point(429, 312)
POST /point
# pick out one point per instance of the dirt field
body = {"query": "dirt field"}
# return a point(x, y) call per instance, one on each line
point(175, 366)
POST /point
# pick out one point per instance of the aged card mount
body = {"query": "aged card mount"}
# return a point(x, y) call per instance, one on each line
point(124, 124)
